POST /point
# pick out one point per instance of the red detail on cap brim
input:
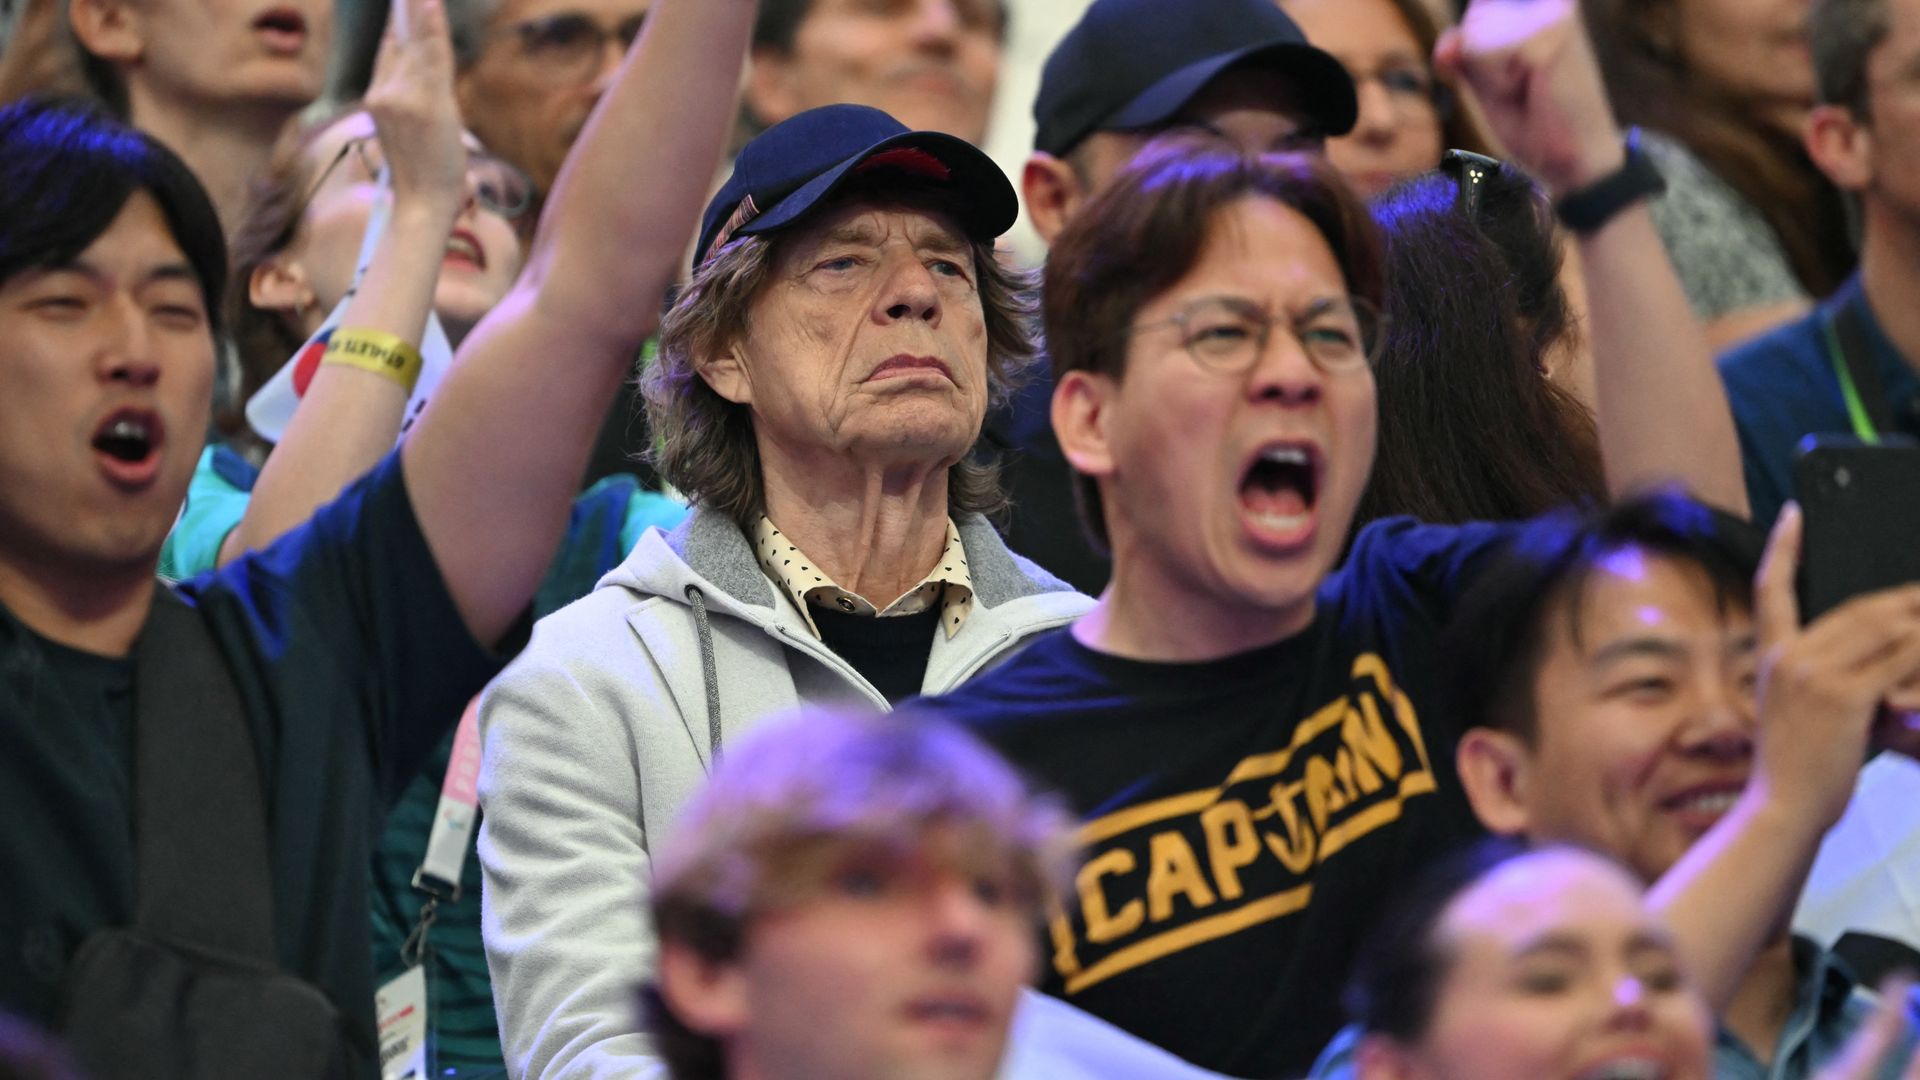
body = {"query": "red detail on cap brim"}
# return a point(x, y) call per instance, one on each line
point(910, 159)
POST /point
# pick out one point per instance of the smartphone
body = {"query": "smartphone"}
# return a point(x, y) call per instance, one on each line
point(1861, 506)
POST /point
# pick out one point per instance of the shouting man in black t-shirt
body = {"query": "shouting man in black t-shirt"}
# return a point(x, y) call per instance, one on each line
point(1251, 737)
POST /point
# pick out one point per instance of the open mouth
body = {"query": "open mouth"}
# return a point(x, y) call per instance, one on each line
point(1705, 802)
point(127, 445)
point(1278, 489)
point(283, 28)
point(463, 246)
point(1635, 1068)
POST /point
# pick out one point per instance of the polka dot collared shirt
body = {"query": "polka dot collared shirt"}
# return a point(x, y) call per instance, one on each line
point(949, 585)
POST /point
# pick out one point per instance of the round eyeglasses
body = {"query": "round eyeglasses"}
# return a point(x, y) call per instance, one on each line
point(569, 47)
point(1229, 334)
point(497, 186)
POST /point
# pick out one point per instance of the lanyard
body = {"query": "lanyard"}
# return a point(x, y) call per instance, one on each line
point(1863, 426)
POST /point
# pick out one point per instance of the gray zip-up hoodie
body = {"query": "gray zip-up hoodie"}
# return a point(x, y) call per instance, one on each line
point(604, 726)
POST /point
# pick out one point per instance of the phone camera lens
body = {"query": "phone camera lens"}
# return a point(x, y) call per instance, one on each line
point(1842, 477)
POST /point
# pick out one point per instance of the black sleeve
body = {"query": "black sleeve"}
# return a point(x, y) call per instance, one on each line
point(350, 621)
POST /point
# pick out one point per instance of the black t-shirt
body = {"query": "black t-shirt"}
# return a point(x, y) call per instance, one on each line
point(350, 660)
point(1245, 818)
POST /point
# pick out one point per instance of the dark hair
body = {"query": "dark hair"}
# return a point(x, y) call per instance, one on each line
point(264, 340)
point(67, 169)
point(1651, 86)
point(1147, 230)
point(1842, 34)
point(1496, 641)
point(779, 23)
point(1399, 968)
point(1470, 426)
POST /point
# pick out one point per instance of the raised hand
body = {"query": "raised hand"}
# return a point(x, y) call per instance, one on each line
point(1532, 68)
point(412, 103)
point(1822, 686)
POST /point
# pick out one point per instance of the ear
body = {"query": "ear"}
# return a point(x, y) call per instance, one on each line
point(728, 376)
point(1493, 768)
point(1052, 192)
point(1080, 421)
point(109, 29)
point(1841, 146)
point(280, 284)
point(772, 92)
point(1381, 1058)
point(708, 996)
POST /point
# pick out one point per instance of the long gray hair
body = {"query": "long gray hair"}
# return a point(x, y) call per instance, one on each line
point(704, 444)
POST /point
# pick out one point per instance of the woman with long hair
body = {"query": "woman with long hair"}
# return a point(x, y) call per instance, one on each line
point(1481, 417)
point(1722, 88)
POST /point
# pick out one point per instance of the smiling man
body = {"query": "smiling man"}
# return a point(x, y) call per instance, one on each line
point(1636, 695)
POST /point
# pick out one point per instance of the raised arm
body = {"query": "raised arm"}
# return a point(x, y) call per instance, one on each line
point(492, 464)
point(1659, 405)
point(349, 417)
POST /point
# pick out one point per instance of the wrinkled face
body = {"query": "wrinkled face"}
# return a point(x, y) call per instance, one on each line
point(1257, 109)
point(866, 342)
point(1236, 491)
point(1557, 970)
point(533, 86)
point(108, 368)
point(932, 64)
point(1755, 48)
point(483, 251)
point(1398, 131)
point(226, 51)
point(900, 969)
point(1645, 706)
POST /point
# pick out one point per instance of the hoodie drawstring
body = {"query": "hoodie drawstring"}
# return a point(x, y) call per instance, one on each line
point(705, 632)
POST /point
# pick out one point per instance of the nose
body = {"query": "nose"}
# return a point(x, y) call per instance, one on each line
point(1379, 119)
point(1283, 373)
point(908, 292)
point(1721, 727)
point(957, 917)
point(1629, 1009)
point(126, 355)
point(936, 24)
point(611, 56)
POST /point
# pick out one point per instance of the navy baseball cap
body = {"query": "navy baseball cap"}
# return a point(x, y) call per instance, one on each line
point(1133, 64)
point(792, 166)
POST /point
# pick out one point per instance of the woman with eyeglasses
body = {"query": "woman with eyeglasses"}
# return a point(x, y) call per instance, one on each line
point(1408, 114)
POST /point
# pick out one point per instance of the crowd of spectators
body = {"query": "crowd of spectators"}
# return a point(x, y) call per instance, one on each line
point(555, 538)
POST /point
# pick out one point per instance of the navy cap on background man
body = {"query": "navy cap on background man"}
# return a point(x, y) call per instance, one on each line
point(1128, 70)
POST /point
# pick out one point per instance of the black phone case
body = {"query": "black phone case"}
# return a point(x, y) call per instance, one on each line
point(1862, 512)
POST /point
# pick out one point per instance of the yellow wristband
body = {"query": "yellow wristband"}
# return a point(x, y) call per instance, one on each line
point(375, 351)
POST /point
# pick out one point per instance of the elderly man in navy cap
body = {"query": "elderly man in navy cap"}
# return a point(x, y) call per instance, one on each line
point(1127, 71)
point(820, 386)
